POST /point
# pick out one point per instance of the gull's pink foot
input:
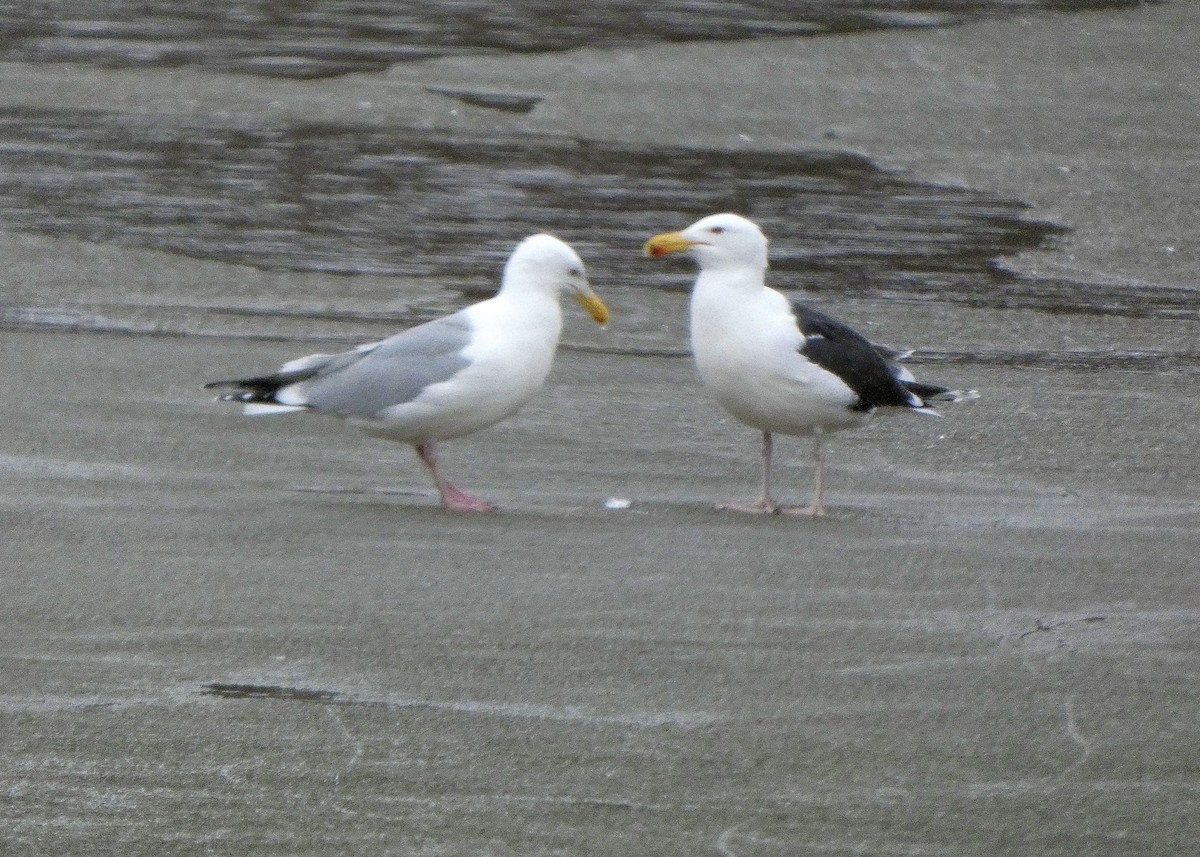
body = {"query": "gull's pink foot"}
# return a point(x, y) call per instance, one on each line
point(758, 507)
point(459, 501)
point(807, 511)
point(452, 499)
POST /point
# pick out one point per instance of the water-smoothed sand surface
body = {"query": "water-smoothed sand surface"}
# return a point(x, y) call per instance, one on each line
point(234, 636)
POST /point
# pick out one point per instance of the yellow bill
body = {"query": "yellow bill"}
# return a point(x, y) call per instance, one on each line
point(668, 242)
point(594, 306)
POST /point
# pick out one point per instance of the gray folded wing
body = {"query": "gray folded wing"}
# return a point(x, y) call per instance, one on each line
point(365, 382)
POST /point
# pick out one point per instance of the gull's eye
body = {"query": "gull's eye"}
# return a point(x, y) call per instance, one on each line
point(574, 272)
point(716, 230)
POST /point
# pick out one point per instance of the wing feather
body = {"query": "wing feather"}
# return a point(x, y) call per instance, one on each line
point(861, 366)
point(367, 379)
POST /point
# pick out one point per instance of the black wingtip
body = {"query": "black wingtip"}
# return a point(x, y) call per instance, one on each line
point(257, 389)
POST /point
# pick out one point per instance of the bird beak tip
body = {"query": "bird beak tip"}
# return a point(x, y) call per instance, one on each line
point(595, 308)
point(665, 244)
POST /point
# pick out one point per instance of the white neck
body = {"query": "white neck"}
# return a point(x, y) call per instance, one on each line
point(722, 290)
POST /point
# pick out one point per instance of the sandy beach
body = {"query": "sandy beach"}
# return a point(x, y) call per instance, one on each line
point(230, 636)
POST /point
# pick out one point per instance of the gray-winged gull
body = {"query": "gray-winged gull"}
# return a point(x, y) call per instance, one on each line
point(447, 378)
point(776, 364)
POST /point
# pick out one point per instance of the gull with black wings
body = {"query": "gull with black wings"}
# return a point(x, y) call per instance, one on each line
point(779, 365)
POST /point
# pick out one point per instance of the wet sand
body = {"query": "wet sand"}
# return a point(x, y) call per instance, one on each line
point(224, 636)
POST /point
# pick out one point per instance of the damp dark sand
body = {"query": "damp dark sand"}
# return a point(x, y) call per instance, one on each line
point(227, 636)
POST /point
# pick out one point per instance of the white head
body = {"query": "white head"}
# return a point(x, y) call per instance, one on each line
point(545, 263)
point(716, 241)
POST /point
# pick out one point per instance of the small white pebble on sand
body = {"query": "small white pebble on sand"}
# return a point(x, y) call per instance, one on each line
point(617, 503)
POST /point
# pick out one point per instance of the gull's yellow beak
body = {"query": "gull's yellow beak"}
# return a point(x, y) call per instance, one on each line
point(594, 306)
point(668, 242)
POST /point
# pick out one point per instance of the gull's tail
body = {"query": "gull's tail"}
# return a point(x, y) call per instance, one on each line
point(926, 396)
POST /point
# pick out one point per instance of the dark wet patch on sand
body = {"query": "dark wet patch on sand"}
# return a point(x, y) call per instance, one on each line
point(399, 203)
point(1100, 360)
point(264, 691)
point(648, 719)
point(396, 202)
point(336, 37)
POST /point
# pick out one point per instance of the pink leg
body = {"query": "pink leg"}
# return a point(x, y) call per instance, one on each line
point(817, 509)
point(764, 505)
point(452, 498)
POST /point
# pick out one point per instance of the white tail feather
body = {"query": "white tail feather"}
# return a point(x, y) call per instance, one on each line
point(955, 396)
point(302, 363)
point(258, 409)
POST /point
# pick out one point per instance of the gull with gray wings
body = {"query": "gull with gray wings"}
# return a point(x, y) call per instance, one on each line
point(444, 379)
